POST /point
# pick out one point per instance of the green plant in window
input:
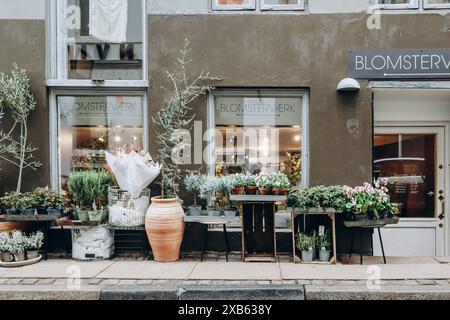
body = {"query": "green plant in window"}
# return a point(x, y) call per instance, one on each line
point(89, 189)
point(17, 100)
point(177, 115)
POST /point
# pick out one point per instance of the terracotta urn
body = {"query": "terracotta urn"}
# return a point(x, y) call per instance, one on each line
point(251, 190)
point(164, 224)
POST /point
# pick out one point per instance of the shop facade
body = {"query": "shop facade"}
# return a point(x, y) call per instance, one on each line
point(279, 66)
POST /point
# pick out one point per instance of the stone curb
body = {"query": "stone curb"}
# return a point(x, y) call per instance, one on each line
point(359, 292)
point(48, 292)
point(235, 292)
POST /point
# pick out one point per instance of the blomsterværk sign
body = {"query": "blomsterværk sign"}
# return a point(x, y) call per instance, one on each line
point(394, 64)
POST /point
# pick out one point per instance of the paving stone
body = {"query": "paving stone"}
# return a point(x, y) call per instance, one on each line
point(30, 281)
point(3, 280)
point(109, 282)
point(93, 282)
point(60, 282)
point(424, 282)
point(204, 283)
point(303, 282)
point(45, 281)
point(189, 283)
point(127, 282)
point(277, 282)
point(13, 281)
point(318, 282)
point(264, 282)
point(348, 282)
point(287, 282)
point(441, 282)
point(160, 282)
point(144, 282)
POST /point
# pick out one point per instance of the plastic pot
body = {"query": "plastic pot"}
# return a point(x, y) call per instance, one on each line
point(307, 256)
point(195, 210)
point(32, 254)
point(213, 212)
point(324, 255)
point(20, 257)
point(230, 212)
point(6, 257)
point(264, 191)
point(27, 212)
point(95, 216)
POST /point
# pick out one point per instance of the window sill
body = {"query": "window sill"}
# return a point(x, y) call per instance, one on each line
point(91, 84)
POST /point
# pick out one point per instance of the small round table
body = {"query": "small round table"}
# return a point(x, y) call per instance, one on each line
point(213, 221)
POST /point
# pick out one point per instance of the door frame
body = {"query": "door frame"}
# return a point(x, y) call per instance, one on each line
point(442, 180)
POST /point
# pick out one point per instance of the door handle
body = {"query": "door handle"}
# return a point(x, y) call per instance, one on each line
point(442, 215)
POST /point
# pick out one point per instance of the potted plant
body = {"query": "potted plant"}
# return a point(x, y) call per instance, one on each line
point(225, 186)
point(324, 244)
point(209, 191)
point(164, 221)
point(5, 247)
point(47, 201)
point(264, 184)
point(280, 183)
point(250, 183)
point(318, 198)
point(18, 246)
point(193, 183)
point(239, 184)
point(90, 193)
point(33, 243)
point(368, 202)
point(306, 245)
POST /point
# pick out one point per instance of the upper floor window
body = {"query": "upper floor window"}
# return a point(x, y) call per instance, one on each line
point(282, 4)
point(436, 4)
point(263, 4)
point(234, 4)
point(397, 4)
point(99, 40)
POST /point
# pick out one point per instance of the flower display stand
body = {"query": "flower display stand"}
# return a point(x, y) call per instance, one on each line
point(257, 215)
point(45, 221)
point(369, 224)
point(329, 213)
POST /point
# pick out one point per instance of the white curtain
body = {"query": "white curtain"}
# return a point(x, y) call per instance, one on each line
point(108, 20)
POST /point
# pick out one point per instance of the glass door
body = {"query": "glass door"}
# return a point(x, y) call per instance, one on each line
point(412, 158)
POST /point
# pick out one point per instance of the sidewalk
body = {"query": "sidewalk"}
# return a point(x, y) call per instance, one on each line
point(401, 278)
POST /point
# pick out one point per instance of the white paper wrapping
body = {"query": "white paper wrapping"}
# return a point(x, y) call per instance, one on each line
point(133, 172)
point(92, 244)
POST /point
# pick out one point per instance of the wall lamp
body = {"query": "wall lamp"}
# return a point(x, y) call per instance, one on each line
point(348, 85)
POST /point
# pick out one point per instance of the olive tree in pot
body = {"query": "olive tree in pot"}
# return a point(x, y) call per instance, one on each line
point(193, 183)
point(164, 221)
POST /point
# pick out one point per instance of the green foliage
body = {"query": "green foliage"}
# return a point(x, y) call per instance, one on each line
point(193, 182)
point(280, 180)
point(324, 241)
point(18, 101)
point(177, 114)
point(333, 197)
point(305, 242)
point(89, 189)
point(264, 181)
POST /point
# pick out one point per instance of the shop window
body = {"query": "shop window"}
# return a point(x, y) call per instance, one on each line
point(408, 160)
point(89, 125)
point(234, 4)
point(396, 4)
point(261, 132)
point(282, 4)
point(436, 4)
point(100, 40)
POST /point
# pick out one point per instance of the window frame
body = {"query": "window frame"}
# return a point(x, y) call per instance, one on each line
point(300, 6)
point(413, 4)
point(55, 160)
point(427, 5)
point(260, 92)
point(217, 7)
point(55, 59)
